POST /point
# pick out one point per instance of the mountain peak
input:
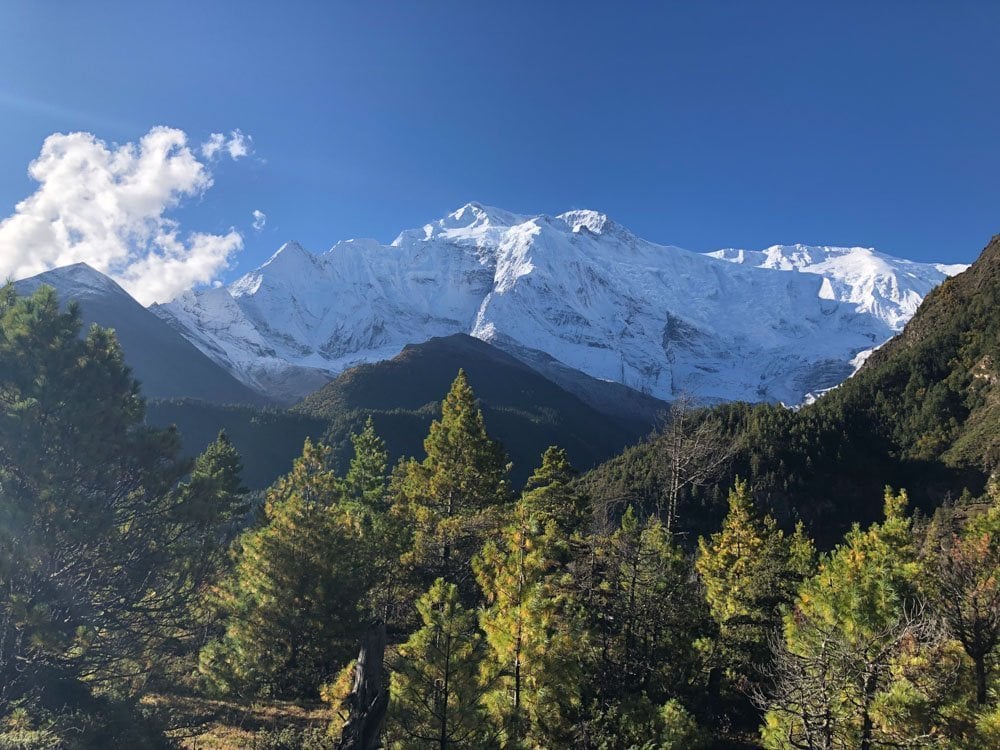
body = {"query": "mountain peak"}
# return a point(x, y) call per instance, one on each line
point(472, 221)
point(585, 219)
point(477, 213)
point(290, 250)
point(78, 279)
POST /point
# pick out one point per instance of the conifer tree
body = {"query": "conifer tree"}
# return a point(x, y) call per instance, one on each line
point(749, 569)
point(452, 499)
point(549, 491)
point(529, 622)
point(366, 478)
point(437, 685)
point(644, 613)
point(101, 545)
point(962, 581)
point(291, 606)
point(844, 676)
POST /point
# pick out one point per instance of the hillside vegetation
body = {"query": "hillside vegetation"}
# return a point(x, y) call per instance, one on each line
point(441, 602)
point(526, 412)
point(923, 413)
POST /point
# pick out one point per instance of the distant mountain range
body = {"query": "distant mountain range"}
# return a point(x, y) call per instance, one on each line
point(576, 296)
point(572, 330)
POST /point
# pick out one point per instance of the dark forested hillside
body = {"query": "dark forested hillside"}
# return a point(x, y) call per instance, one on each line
point(268, 439)
point(924, 413)
point(934, 387)
point(525, 411)
point(166, 363)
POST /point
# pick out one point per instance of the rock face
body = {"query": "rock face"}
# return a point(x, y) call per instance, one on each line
point(569, 293)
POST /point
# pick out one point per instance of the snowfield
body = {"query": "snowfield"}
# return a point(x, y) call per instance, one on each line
point(770, 325)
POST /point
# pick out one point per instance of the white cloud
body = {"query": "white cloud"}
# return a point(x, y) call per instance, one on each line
point(105, 205)
point(237, 145)
point(259, 220)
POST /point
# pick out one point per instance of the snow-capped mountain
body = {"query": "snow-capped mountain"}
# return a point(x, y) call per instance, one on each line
point(164, 362)
point(573, 292)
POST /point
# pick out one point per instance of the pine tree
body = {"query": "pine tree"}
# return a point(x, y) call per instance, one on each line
point(360, 699)
point(292, 605)
point(452, 499)
point(749, 570)
point(533, 645)
point(436, 680)
point(101, 547)
point(845, 675)
point(644, 614)
point(550, 491)
point(365, 482)
point(962, 582)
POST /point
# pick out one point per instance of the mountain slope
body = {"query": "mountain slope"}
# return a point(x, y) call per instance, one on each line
point(576, 291)
point(922, 413)
point(522, 409)
point(935, 386)
point(268, 439)
point(164, 362)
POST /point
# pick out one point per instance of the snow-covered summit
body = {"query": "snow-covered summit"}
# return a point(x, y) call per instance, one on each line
point(576, 288)
point(76, 281)
point(889, 288)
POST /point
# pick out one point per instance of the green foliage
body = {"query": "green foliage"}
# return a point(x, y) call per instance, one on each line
point(436, 680)
point(551, 493)
point(750, 569)
point(102, 548)
point(453, 498)
point(525, 411)
point(365, 482)
point(643, 613)
point(292, 605)
point(532, 658)
point(861, 666)
point(961, 578)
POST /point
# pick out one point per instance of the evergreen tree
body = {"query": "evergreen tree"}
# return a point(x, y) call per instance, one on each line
point(364, 503)
point(436, 680)
point(749, 569)
point(453, 498)
point(101, 548)
point(643, 613)
point(962, 582)
point(533, 646)
point(366, 479)
point(550, 491)
point(846, 673)
point(292, 603)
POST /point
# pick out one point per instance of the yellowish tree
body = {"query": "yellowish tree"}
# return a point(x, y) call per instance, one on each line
point(533, 650)
point(453, 498)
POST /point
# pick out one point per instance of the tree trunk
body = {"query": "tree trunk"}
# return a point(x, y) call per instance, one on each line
point(368, 699)
point(981, 680)
point(866, 716)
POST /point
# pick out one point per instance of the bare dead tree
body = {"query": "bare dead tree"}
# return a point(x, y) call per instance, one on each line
point(694, 451)
point(369, 697)
point(826, 693)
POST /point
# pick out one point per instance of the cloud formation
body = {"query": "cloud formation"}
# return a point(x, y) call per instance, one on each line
point(105, 205)
point(259, 220)
point(237, 145)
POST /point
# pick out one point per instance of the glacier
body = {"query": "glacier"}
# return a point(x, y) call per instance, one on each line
point(578, 291)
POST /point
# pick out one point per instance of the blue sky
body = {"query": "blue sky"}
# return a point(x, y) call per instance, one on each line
point(704, 125)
